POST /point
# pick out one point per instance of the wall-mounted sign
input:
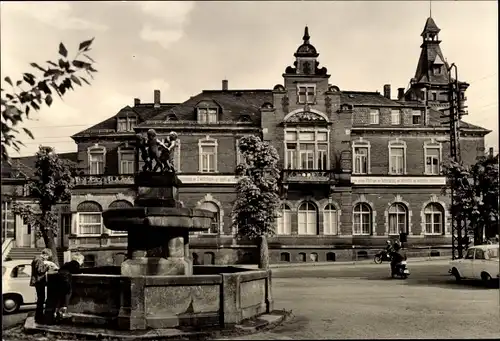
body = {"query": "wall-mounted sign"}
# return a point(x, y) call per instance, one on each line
point(399, 180)
point(208, 179)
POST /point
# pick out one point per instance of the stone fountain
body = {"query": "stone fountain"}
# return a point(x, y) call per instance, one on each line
point(158, 287)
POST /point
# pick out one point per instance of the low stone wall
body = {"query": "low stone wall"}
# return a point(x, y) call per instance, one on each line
point(215, 295)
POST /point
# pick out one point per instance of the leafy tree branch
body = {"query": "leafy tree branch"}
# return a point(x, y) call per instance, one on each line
point(32, 91)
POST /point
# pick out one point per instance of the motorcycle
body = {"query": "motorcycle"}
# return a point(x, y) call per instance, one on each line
point(382, 256)
point(401, 270)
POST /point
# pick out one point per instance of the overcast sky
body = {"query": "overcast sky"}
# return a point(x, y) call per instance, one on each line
point(182, 48)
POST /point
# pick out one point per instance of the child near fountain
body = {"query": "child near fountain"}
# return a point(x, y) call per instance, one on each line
point(64, 287)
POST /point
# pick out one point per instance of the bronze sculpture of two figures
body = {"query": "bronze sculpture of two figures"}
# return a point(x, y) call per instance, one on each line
point(152, 149)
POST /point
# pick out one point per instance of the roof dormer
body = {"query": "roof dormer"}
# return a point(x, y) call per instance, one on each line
point(126, 120)
point(208, 112)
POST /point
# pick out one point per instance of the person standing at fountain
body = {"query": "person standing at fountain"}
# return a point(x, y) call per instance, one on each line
point(64, 287)
point(39, 267)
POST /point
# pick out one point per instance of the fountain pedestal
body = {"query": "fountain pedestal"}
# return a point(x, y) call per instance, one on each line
point(158, 228)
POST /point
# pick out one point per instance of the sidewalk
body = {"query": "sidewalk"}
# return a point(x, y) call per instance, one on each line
point(360, 262)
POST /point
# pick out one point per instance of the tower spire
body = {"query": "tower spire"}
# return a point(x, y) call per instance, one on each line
point(306, 35)
point(430, 8)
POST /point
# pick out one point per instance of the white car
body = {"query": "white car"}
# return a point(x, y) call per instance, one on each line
point(479, 262)
point(16, 290)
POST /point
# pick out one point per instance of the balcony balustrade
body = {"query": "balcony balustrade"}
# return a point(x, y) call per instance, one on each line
point(104, 180)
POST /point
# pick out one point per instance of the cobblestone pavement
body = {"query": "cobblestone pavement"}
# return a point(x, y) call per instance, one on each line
point(367, 304)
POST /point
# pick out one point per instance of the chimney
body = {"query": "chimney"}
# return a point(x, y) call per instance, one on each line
point(225, 84)
point(387, 91)
point(157, 98)
point(491, 152)
point(401, 93)
point(137, 101)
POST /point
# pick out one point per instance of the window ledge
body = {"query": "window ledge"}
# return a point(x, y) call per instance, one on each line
point(87, 235)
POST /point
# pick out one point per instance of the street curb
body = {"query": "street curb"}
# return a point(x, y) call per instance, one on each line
point(362, 262)
point(246, 327)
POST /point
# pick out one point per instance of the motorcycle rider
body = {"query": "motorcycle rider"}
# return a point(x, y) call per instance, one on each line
point(397, 257)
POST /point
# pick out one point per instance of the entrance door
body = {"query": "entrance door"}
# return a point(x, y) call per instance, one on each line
point(65, 229)
point(24, 233)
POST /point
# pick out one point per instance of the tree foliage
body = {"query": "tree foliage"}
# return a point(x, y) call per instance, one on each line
point(475, 195)
point(51, 185)
point(257, 199)
point(32, 91)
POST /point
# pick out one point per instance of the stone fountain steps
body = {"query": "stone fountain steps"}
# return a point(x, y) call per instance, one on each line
point(264, 321)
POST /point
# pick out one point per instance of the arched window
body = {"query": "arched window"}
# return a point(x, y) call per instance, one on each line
point(398, 219)
point(285, 257)
point(212, 207)
point(434, 219)
point(308, 219)
point(284, 221)
point(330, 220)
point(362, 219)
point(89, 218)
point(119, 204)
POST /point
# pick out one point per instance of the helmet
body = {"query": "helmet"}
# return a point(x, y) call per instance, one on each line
point(388, 242)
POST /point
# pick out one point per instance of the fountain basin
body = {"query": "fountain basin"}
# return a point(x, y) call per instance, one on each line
point(124, 219)
point(212, 296)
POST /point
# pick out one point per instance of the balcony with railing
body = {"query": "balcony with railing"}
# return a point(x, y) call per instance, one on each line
point(104, 180)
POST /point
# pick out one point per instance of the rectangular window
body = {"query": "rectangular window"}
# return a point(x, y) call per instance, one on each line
point(322, 136)
point(127, 162)
point(126, 124)
point(360, 160)
point(395, 117)
point(96, 163)
point(291, 155)
point(122, 124)
point(207, 116)
point(306, 136)
point(291, 136)
point(307, 155)
point(374, 116)
point(65, 223)
point(322, 156)
point(90, 223)
point(132, 122)
point(397, 160)
point(434, 96)
point(432, 166)
point(306, 94)
point(8, 220)
point(307, 222)
point(208, 159)
point(309, 150)
point(433, 223)
point(361, 224)
point(416, 114)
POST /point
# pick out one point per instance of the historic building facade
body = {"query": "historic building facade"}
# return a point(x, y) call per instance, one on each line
point(357, 167)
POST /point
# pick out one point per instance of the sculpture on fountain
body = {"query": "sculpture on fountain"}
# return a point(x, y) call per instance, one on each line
point(152, 149)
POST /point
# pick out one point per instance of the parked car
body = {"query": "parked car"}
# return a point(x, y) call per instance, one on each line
point(16, 290)
point(479, 262)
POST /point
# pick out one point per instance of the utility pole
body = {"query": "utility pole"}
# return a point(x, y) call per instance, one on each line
point(455, 111)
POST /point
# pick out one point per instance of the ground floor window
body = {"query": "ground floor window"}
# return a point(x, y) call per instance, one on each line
point(89, 218)
point(284, 221)
point(398, 219)
point(330, 219)
point(434, 219)
point(362, 219)
point(307, 218)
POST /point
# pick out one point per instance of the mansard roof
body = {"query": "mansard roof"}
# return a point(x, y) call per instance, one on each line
point(233, 104)
point(108, 126)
